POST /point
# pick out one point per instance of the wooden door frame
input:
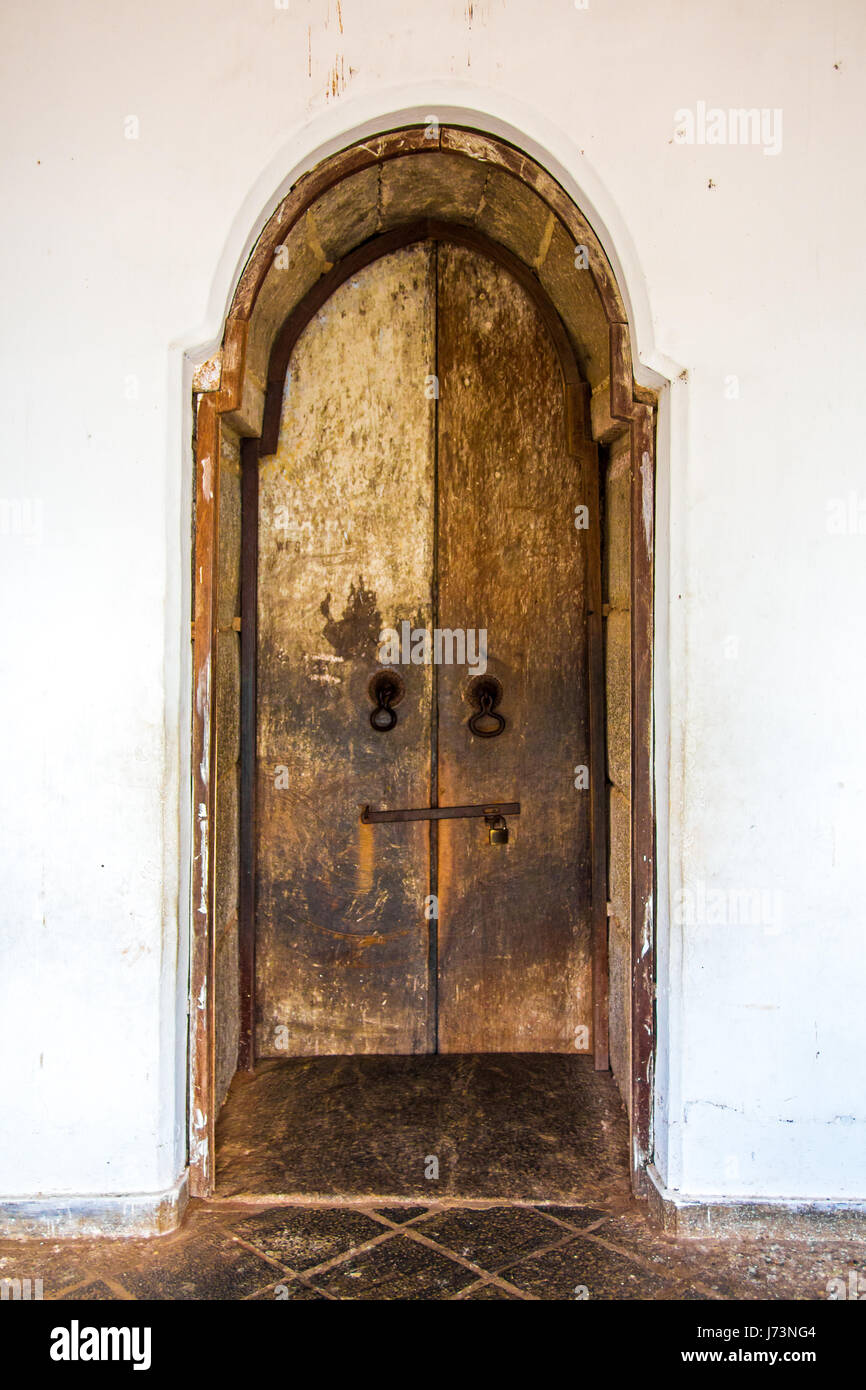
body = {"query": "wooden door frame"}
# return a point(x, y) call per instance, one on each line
point(625, 405)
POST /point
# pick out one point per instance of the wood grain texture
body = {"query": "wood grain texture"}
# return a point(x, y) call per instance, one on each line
point(515, 921)
point(347, 515)
point(202, 947)
point(345, 550)
point(247, 789)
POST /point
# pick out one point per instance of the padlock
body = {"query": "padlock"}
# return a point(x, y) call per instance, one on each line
point(497, 830)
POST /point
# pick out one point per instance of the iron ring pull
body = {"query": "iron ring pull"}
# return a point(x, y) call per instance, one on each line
point(387, 690)
point(485, 700)
point(383, 717)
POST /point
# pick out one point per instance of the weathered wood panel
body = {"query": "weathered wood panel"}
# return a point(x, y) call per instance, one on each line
point(345, 550)
point(227, 751)
point(515, 921)
point(617, 573)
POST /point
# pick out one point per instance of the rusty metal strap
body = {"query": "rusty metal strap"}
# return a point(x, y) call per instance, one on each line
point(490, 808)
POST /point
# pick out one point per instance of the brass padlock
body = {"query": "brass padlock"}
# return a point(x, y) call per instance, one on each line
point(497, 830)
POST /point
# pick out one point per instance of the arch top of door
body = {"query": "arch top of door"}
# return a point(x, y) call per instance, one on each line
point(457, 163)
point(459, 178)
point(575, 389)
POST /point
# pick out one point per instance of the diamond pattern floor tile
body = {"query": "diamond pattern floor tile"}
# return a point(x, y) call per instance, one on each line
point(302, 1237)
point(399, 1268)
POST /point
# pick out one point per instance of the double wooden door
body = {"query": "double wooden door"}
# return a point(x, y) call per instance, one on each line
point(422, 482)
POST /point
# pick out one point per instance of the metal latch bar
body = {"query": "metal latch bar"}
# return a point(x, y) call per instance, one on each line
point(489, 809)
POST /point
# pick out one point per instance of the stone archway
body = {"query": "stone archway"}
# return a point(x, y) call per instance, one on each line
point(458, 178)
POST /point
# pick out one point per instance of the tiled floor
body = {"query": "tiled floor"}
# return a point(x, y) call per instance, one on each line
point(532, 1199)
point(231, 1250)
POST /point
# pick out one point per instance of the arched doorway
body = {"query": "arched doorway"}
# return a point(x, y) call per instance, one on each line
point(490, 967)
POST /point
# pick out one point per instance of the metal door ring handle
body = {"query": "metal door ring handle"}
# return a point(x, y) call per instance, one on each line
point(383, 718)
point(386, 689)
point(486, 692)
point(487, 712)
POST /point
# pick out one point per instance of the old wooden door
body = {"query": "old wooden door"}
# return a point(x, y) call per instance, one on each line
point(422, 482)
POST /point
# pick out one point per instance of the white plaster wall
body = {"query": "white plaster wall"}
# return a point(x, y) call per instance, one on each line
point(119, 259)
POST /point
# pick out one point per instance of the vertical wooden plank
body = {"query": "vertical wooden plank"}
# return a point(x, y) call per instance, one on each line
point(642, 804)
point(247, 899)
point(586, 451)
point(433, 917)
point(345, 551)
point(515, 922)
point(201, 1018)
point(642, 426)
point(225, 755)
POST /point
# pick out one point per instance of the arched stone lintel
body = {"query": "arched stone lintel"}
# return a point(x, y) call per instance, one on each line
point(240, 398)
